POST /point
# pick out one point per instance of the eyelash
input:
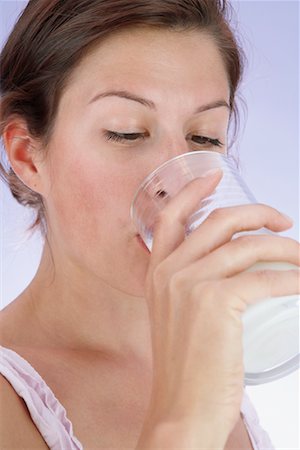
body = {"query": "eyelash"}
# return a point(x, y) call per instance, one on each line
point(131, 137)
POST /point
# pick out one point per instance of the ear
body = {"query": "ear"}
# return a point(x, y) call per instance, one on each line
point(21, 151)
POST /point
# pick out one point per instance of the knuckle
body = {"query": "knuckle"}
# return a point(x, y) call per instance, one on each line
point(266, 209)
point(160, 274)
point(228, 296)
point(206, 291)
point(177, 282)
point(220, 295)
point(218, 213)
point(229, 216)
point(230, 299)
point(247, 241)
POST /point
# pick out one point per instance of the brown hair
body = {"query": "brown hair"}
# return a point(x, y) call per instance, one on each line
point(52, 36)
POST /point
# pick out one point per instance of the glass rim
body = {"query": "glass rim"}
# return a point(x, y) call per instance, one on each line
point(149, 177)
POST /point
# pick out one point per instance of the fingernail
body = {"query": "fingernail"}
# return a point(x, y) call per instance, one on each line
point(288, 218)
point(210, 173)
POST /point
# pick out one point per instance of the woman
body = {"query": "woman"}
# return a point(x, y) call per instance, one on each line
point(110, 346)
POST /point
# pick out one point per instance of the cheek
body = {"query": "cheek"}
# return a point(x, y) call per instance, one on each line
point(89, 197)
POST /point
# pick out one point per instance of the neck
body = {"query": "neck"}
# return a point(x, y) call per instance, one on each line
point(76, 310)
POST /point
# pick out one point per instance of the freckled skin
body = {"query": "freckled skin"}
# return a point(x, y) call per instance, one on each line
point(93, 181)
point(88, 292)
point(90, 313)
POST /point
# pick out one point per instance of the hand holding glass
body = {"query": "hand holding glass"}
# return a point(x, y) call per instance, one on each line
point(271, 326)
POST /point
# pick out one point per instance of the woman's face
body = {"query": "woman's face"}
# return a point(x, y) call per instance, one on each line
point(142, 81)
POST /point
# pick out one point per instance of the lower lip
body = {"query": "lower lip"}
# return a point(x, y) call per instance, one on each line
point(142, 243)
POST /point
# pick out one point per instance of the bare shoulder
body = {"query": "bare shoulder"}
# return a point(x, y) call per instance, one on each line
point(17, 430)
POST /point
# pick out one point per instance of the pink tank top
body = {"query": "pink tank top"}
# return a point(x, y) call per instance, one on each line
point(50, 416)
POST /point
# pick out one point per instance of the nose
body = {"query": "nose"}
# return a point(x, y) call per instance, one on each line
point(171, 145)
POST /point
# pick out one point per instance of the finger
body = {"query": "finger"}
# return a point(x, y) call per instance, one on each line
point(250, 287)
point(169, 229)
point(242, 253)
point(220, 226)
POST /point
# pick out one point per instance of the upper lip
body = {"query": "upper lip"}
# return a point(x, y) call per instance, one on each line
point(142, 242)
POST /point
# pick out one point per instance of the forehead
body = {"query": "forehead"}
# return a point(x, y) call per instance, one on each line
point(151, 61)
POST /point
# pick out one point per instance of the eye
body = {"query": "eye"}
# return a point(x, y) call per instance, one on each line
point(204, 140)
point(124, 137)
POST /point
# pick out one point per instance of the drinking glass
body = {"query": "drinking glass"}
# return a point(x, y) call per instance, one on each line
point(271, 326)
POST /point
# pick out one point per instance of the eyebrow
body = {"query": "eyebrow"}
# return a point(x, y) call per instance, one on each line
point(149, 104)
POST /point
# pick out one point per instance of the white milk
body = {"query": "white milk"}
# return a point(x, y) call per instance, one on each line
point(271, 327)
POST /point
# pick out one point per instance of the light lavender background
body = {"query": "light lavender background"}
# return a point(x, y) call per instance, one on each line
point(269, 152)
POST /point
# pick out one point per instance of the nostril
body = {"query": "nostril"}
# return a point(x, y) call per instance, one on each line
point(161, 193)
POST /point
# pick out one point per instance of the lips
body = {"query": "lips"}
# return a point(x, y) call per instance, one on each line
point(142, 243)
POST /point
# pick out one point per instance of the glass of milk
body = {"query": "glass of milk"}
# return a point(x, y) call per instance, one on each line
point(271, 326)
